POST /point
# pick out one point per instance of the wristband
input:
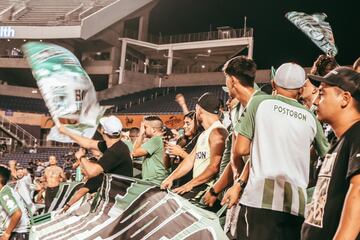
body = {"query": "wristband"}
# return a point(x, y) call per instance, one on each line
point(241, 182)
point(67, 205)
point(212, 192)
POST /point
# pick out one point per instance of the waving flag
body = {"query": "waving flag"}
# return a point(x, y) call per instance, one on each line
point(66, 88)
point(127, 208)
point(315, 27)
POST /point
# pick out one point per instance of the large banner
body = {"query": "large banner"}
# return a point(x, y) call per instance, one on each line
point(127, 208)
point(66, 88)
point(316, 28)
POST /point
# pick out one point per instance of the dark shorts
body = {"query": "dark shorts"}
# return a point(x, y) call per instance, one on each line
point(264, 224)
point(19, 236)
point(50, 194)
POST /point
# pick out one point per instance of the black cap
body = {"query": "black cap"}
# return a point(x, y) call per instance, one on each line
point(343, 77)
point(209, 102)
point(315, 82)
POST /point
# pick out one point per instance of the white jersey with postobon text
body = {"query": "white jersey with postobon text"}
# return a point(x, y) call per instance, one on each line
point(202, 151)
point(281, 131)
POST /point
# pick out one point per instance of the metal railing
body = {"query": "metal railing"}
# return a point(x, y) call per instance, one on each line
point(17, 132)
point(193, 37)
point(45, 143)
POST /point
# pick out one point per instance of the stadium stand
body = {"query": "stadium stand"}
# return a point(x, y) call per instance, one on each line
point(24, 157)
point(126, 101)
point(22, 104)
point(167, 104)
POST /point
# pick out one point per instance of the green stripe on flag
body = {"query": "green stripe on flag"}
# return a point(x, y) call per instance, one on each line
point(287, 197)
point(301, 202)
point(268, 194)
point(132, 194)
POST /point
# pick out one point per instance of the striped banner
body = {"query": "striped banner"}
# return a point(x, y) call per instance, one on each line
point(315, 27)
point(64, 194)
point(127, 208)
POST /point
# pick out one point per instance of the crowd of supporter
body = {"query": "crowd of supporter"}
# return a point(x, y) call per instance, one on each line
point(286, 164)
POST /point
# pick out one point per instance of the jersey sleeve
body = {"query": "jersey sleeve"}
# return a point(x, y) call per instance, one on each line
point(8, 202)
point(246, 124)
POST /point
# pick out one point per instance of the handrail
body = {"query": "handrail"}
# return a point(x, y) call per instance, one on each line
point(24, 136)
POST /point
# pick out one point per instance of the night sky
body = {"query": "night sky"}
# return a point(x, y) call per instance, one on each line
point(276, 40)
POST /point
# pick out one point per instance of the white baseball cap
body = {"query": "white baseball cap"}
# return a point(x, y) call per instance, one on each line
point(112, 125)
point(290, 76)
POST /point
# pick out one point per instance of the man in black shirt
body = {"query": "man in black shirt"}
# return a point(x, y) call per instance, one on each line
point(334, 212)
point(91, 186)
point(116, 156)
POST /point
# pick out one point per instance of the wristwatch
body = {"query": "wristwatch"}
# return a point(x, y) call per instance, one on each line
point(242, 183)
point(67, 205)
point(212, 192)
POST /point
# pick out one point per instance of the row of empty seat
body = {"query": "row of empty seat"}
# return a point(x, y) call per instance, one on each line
point(42, 154)
point(167, 104)
point(22, 104)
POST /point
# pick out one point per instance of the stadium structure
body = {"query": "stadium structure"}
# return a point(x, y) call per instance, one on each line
point(133, 71)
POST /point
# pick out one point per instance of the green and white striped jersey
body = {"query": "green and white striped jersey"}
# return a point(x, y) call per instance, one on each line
point(281, 131)
point(10, 201)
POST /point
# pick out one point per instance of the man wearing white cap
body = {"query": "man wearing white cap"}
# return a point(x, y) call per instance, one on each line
point(277, 131)
point(116, 156)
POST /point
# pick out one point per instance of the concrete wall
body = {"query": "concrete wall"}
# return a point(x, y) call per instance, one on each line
point(193, 79)
point(13, 63)
point(211, 78)
point(98, 67)
point(19, 91)
point(133, 82)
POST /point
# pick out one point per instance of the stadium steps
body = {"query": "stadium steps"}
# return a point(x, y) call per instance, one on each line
point(45, 12)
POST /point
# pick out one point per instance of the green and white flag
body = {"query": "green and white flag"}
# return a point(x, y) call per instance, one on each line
point(128, 208)
point(66, 88)
point(316, 28)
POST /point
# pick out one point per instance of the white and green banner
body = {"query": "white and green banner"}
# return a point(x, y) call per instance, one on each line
point(128, 208)
point(316, 28)
point(66, 88)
